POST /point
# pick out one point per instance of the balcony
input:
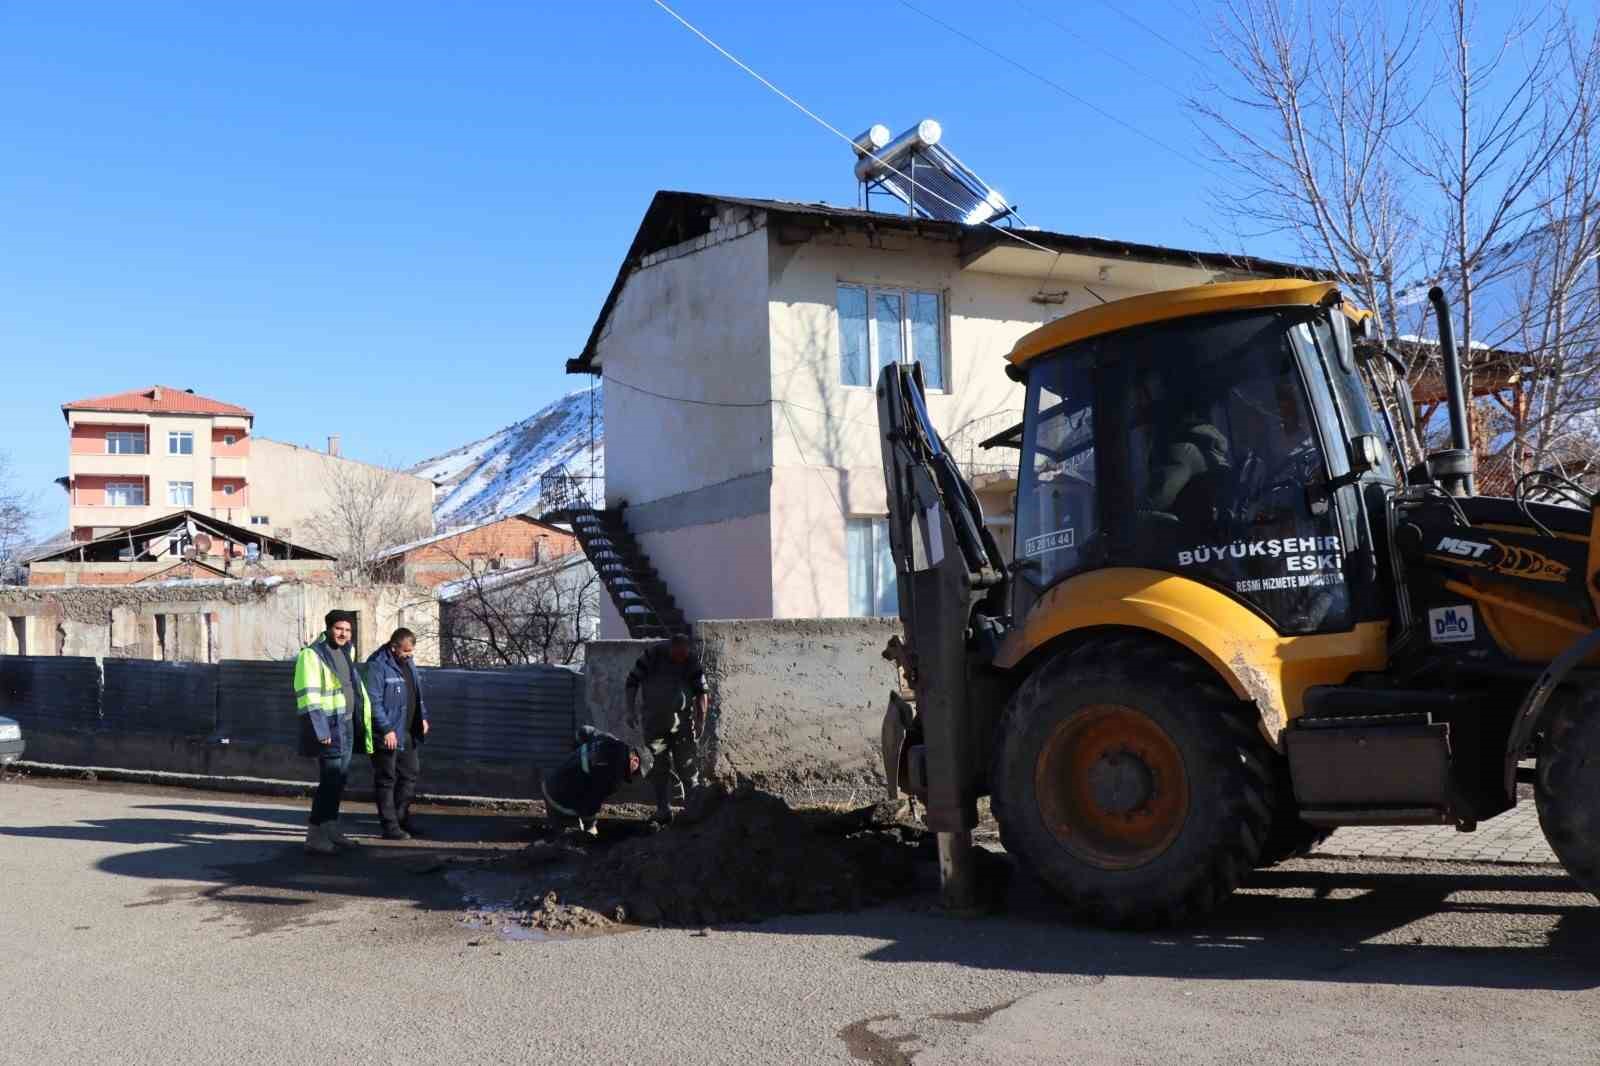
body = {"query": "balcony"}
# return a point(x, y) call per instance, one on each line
point(229, 466)
point(108, 465)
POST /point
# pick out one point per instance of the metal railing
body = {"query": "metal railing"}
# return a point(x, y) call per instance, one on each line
point(561, 491)
point(963, 445)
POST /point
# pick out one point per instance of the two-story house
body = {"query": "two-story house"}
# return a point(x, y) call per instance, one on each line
point(739, 346)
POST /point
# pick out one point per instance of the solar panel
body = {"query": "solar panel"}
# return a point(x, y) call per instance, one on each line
point(924, 175)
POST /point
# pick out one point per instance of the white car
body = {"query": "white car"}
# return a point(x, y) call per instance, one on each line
point(11, 745)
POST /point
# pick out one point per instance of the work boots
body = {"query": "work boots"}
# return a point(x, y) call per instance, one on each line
point(331, 831)
point(317, 842)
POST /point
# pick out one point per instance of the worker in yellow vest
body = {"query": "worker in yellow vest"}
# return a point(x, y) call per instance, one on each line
point(335, 713)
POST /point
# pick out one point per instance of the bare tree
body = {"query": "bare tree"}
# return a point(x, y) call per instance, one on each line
point(367, 512)
point(543, 613)
point(18, 513)
point(1310, 120)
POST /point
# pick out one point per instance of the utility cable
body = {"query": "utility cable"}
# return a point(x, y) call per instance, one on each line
point(846, 138)
point(1102, 49)
point(1187, 157)
point(1119, 9)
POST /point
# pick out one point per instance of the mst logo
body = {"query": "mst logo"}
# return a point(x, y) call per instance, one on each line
point(1465, 549)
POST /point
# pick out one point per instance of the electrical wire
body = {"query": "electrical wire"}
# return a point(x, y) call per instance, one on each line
point(1187, 157)
point(1102, 49)
point(846, 138)
point(1151, 30)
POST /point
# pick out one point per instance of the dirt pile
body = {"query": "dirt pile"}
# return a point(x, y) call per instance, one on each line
point(733, 857)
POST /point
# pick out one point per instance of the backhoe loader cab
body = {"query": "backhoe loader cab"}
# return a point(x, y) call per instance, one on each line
point(1238, 613)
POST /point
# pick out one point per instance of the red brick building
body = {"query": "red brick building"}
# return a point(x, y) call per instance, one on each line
point(497, 544)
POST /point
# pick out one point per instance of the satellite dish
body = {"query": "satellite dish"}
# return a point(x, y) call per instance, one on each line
point(202, 544)
point(252, 552)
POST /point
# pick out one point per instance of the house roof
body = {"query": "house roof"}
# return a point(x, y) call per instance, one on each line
point(456, 531)
point(157, 400)
point(675, 217)
point(109, 547)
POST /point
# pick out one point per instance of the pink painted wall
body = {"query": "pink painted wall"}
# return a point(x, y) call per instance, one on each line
point(220, 498)
point(89, 490)
point(90, 439)
point(240, 448)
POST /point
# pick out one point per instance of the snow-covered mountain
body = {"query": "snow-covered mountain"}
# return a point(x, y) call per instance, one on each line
point(499, 475)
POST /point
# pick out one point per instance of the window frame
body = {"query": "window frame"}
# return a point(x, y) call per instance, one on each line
point(905, 293)
point(175, 437)
point(135, 435)
point(878, 553)
point(260, 520)
point(172, 492)
point(137, 488)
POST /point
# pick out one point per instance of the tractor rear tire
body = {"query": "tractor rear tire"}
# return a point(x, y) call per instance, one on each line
point(1288, 837)
point(1567, 786)
point(1132, 783)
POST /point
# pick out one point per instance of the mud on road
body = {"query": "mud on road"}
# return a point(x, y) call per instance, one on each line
point(739, 855)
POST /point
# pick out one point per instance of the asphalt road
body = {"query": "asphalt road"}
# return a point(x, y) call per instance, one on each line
point(163, 926)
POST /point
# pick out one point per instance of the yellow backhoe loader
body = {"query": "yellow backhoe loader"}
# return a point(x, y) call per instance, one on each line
point(1239, 610)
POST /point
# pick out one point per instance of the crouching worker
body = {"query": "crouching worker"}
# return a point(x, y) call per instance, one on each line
point(574, 791)
point(328, 692)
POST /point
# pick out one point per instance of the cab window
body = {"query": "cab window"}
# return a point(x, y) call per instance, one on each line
point(1222, 449)
point(1057, 507)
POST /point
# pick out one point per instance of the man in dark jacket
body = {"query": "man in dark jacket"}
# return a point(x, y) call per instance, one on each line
point(667, 700)
point(599, 766)
point(399, 722)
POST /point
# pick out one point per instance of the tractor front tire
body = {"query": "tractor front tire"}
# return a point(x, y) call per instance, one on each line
point(1288, 837)
point(1567, 786)
point(1132, 783)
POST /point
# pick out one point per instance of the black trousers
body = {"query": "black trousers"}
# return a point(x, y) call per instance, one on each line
point(394, 777)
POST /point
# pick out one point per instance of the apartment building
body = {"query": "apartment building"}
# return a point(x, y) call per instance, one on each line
point(140, 455)
point(134, 456)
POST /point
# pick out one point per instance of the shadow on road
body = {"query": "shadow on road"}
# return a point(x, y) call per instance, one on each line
point(251, 857)
point(1525, 928)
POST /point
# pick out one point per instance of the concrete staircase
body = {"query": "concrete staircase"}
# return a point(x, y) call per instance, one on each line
point(637, 591)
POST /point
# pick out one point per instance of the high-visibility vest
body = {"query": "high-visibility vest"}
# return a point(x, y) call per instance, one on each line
point(318, 688)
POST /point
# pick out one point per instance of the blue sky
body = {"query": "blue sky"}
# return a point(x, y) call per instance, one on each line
point(396, 221)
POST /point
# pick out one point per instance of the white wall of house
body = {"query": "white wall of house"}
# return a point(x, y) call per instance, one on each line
point(691, 324)
point(743, 500)
point(827, 455)
point(292, 485)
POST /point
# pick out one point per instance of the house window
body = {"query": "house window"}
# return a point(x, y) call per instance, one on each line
point(180, 493)
point(227, 490)
point(125, 442)
point(260, 520)
point(180, 443)
point(871, 566)
point(129, 494)
point(229, 439)
point(881, 326)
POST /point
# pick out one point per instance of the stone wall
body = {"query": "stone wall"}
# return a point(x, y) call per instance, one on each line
point(205, 621)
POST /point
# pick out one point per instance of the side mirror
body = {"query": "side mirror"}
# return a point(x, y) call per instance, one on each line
point(1340, 324)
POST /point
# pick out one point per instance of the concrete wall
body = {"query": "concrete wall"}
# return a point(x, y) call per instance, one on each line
point(206, 621)
point(797, 705)
point(290, 485)
point(505, 545)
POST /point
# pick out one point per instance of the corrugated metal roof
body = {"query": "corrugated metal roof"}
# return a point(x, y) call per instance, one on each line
point(157, 400)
